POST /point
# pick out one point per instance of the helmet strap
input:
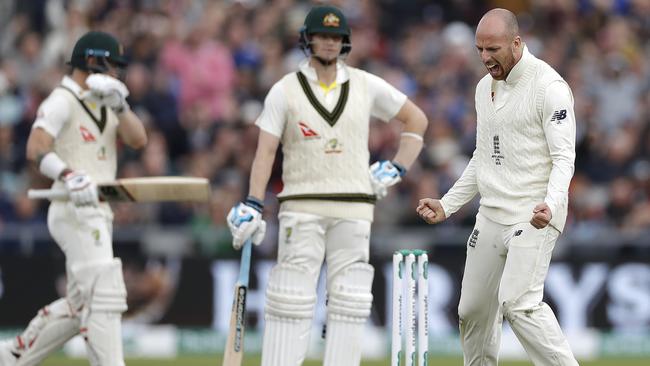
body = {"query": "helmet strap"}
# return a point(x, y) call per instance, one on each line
point(323, 61)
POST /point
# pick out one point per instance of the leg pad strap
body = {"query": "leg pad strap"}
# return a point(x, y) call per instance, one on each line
point(350, 293)
point(101, 285)
point(291, 292)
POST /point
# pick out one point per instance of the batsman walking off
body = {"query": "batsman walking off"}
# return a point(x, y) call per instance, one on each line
point(321, 116)
point(521, 167)
point(73, 142)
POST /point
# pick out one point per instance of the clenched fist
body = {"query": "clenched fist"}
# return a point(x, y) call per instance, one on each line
point(542, 215)
point(431, 211)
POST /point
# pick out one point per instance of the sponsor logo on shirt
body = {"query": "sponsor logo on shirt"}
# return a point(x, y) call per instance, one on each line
point(333, 146)
point(558, 116)
point(101, 153)
point(518, 232)
point(86, 135)
point(307, 131)
point(496, 155)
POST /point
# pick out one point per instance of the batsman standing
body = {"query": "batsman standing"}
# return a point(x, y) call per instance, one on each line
point(73, 142)
point(321, 116)
point(521, 167)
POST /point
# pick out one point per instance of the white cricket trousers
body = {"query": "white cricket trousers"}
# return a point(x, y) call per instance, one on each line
point(504, 277)
point(84, 234)
point(305, 241)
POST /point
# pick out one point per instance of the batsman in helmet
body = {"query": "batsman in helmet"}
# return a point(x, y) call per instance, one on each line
point(320, 115)
point(73, 142)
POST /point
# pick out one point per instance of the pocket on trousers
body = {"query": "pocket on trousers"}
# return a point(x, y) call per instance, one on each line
point(529, 254)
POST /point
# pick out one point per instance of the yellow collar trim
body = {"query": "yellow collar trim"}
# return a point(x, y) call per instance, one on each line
point(327, 88)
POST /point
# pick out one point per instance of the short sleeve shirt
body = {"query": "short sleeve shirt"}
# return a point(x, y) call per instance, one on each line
point(386, 99)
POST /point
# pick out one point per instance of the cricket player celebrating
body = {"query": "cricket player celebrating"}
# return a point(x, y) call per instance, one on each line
point(321, 115)
point(522, 166)
point(73, 142)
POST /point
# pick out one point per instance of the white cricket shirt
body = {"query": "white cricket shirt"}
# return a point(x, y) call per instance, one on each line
point(84, 133)
point(525, 146)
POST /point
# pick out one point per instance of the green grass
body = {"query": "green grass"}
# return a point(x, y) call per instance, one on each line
point(255, 361)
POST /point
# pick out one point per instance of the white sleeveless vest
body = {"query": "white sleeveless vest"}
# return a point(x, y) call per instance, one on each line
point(82, 144)
point(513, 161)
point(326, 153)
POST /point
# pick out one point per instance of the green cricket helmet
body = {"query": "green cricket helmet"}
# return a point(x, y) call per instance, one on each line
point(103, 46)
point(325, 19)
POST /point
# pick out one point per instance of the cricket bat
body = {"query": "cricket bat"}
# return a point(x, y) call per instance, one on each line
point(145, 189)
point(234, 351)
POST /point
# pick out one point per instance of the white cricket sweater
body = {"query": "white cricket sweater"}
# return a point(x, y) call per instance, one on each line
point(326, 153)
point(325, 146)
point(525, 146)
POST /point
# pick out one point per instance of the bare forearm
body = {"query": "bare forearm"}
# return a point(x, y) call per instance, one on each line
point(40, 145)
point(267, 145)
point(409, 149)
point(415, 124)
point(260, 175)
point(132, 130)
point(37, 148)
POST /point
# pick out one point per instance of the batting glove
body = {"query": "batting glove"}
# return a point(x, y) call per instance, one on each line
point(81, 189)
point(108, 91)
point(245, 221)
point(384, 174)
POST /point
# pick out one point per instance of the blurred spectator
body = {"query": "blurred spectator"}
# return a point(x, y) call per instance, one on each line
point(200, 69)
point(202, 65)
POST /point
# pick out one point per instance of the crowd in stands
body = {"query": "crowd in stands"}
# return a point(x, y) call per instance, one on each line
point(199, 72)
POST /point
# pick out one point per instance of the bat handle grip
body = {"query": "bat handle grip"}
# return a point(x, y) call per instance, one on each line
point(48, 194)
point(245, 265)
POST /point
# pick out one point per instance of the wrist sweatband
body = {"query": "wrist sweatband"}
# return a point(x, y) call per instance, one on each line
point(413, 135)
point(255, 203)
point(125, 107)
point(400, 168)
point(51, 165)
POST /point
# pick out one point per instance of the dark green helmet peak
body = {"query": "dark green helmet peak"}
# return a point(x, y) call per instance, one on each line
point(325, 19)
point(100, 45)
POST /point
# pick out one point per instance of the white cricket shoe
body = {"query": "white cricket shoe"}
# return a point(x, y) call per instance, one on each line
point(6, 356)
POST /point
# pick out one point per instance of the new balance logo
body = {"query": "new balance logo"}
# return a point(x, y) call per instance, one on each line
point(518, 232)
point(559, 116)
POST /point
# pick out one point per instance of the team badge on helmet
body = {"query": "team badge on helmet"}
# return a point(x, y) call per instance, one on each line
point(331, 20)
point(325, 19)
